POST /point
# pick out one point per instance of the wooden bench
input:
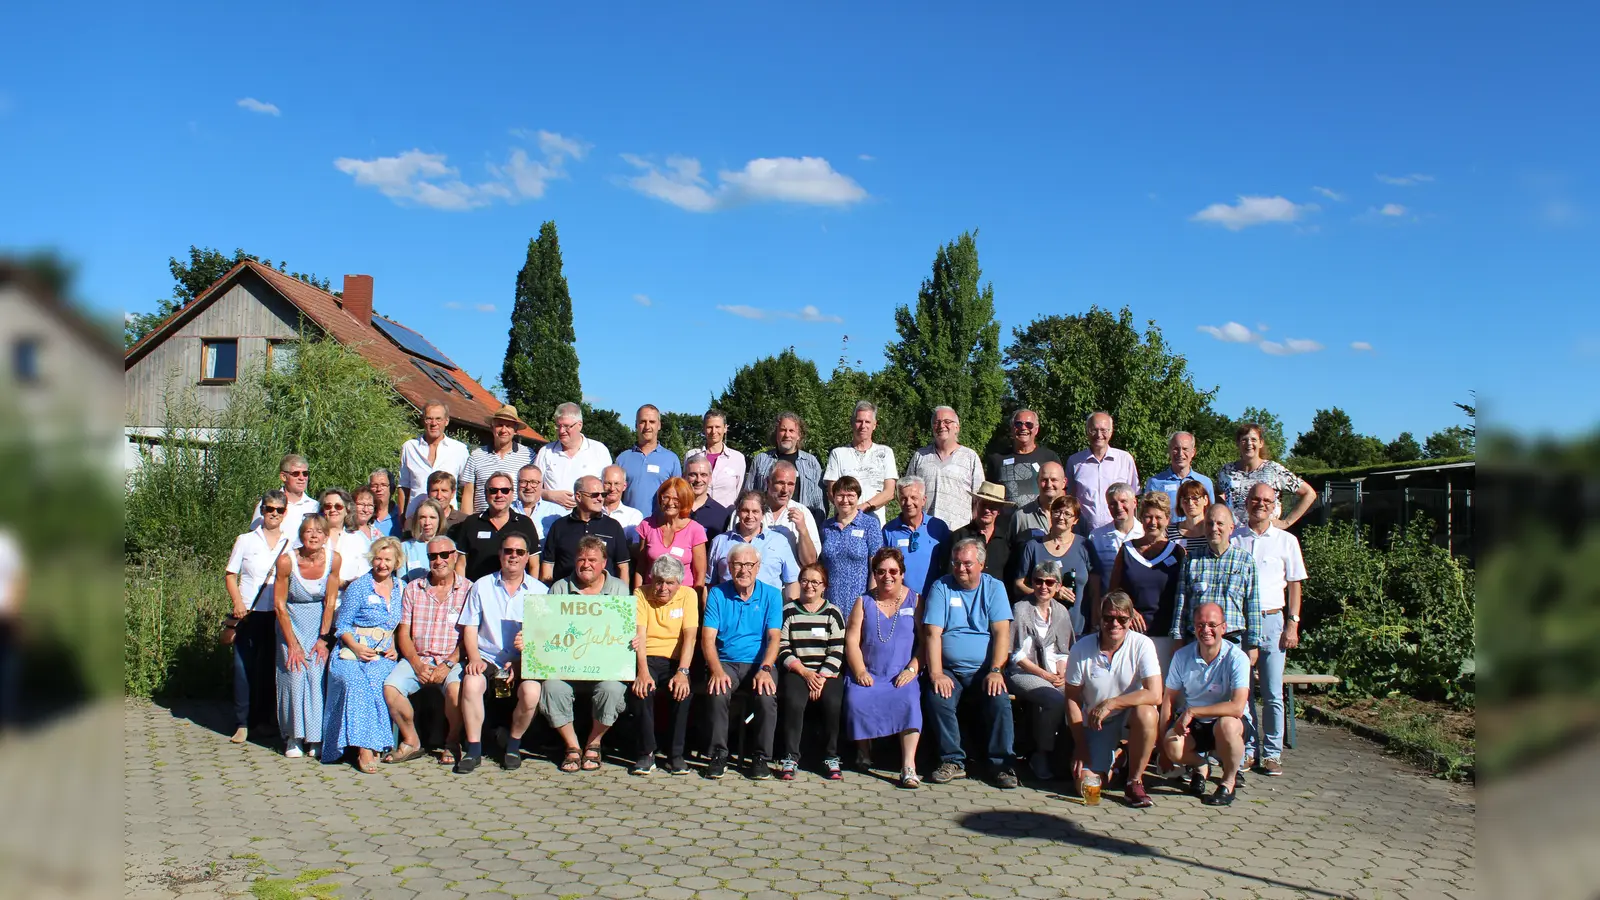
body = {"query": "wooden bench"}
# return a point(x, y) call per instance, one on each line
point(1290, 679)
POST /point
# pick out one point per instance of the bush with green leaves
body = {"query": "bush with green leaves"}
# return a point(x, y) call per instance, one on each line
point(1398, 621)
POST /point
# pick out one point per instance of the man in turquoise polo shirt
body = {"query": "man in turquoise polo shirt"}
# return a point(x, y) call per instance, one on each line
point(739, 639)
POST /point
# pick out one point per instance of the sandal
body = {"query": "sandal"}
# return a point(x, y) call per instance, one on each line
point(400, 754)
point(367, 766)
point(447, 756)
point(591, 759)
point(571, 763)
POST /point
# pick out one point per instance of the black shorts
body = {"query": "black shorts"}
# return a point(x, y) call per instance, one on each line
point(1204, 735)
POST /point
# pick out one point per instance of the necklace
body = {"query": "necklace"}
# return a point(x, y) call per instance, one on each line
point(894, 621)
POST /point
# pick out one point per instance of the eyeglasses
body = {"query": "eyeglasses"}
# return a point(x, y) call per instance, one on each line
point(445, 555)
point(534, 483)
point(592, 495)
point(333, 507)
point(513, 551)
point(811, 582)
point(497, 490)
point(300, 474)
point(277, 510)
point(742, 565)
point(886, 572)
point(1024, 426)
point(567, 427)
point(1209, 626)
point(1118, 620)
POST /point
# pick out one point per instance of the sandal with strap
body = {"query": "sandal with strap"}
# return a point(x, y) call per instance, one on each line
point(571, 763)
point(591, 759)
point(401, 754)
point(447, 756)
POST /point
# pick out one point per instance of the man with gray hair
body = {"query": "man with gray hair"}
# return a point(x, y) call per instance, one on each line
point(1018, 469)
point(1180, 455)
point(295, 476)
point(1097, 468)
point(871, 464)
point(1106, 541)
point(569, 457)
point(967, 642)
point(429, 641)
point(739, 639)
point(952, 471)
point(923, 539)
point(433, 451)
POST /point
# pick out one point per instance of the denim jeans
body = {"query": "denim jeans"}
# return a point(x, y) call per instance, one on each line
point(1269, 678)
point(996, 716)
point(254, 675)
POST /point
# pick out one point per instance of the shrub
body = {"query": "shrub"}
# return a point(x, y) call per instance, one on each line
point(1395, 621)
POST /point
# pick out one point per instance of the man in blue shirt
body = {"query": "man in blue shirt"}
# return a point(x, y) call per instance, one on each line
point(739, 639)
point(967, 629)
point(1180, 452)
point(922, 539)
point(648, 464)
point(778, 565)
point(1207, 685)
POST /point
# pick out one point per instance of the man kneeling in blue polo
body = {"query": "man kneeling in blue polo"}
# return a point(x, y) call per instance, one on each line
point(967, 626)
point(739, 638)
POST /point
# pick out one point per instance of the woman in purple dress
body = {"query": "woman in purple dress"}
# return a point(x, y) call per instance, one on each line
point(881, 695)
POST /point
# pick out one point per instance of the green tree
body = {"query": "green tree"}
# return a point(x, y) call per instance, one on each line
point(1333, 439)
point(606, 426)
point(680, 432)
point(541, 364)
point(761, 390)
point(948, 353)
point(204, 267)
point(1403, 448)
point(1453, 441)
point(1066, 367)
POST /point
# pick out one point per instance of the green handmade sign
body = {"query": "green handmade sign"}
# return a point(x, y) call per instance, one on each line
point(578, 637)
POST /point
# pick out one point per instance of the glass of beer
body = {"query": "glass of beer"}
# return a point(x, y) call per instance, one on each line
point(1091, 789)
point(502, 683)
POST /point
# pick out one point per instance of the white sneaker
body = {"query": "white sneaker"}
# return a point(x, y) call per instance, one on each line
point(292, 750)
point(314, 750)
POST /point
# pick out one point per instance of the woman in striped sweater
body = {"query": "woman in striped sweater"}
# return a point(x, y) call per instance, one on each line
point(811, 655)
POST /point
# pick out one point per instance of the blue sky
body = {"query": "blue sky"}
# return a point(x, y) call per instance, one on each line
point(1414, 178)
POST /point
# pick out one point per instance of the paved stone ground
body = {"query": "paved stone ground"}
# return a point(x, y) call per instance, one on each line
point(1541, 827)
point(204, 818)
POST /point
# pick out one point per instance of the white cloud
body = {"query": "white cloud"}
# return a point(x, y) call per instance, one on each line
point(484, 307)
point(1253, 211)
point(1392, 209)
point(1290, 347)
point(807, 313)
point(428, 179)
point(256, 106)
point(785, 179)
point(453, 305)
point(1411, 180)
point(643, 300)
point(866, 157)
point(1330, 193)
point(1361, 346)
point(1232, 333)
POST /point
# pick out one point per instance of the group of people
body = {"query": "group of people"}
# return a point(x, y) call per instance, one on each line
point(1137, 621)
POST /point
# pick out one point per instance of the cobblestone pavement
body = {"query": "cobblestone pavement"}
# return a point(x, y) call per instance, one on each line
point(1541, 826)
point(205, 818)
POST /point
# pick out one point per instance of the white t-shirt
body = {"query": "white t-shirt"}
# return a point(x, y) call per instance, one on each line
point(352, 547)
point(561, 471)
point(1278, 562)
point(414, 466)
point(10, 571)
point(497, 615)
point(1106, 676)
point(252, 560)
point(872, 468)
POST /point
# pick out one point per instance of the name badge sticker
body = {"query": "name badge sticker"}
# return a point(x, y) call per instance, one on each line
point(856, 532)
point(903, 542)
point(652, 468)
point(485, 535)
point(374, 598)
point(677, 552)
point(1009, 461)
point(906, 611)
point(675, 614)
point(819, 632)
point(955, 601)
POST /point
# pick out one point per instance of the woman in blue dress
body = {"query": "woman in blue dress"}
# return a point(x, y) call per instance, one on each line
point(881, 694)
point(304, 603)
point(369, 611)
point(848, 542)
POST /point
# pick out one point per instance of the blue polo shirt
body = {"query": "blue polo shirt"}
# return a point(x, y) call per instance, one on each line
point(778, 565)
point(646, 473)
point(742, 625)
point(1202, 683)
point(923, 561)
point(965, 617)
point(1168, 482)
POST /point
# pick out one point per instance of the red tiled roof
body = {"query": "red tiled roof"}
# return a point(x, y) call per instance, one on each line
point(323, 309)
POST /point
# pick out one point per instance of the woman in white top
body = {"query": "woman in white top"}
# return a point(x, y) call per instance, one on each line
point(249, 584)
point(343, 536)
point(304, 605)
point(1038, 668)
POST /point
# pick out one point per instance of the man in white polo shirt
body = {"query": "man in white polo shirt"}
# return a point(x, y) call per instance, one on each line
point(434, 451)
point(491, 649)
point(1279, 570)
point(569, 457)
point(294, 475)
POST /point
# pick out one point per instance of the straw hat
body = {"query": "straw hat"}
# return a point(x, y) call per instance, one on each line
point(989, 492)
point(509, 413)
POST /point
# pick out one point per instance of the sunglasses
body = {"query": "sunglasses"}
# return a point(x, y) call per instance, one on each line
point(445, 555)
point(1024, 426)
point(512, 551)
point(915, 541)
point(497, 490)
point(1118, 620)
point(592, 495)
point(333, 507)
point(303, 473)
point(279, 510)
point(1046, 582)
point(886, 572)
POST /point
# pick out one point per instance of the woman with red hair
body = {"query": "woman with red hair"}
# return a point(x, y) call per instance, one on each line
point(670, 531)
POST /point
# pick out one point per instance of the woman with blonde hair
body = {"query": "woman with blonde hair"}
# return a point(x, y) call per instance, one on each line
point(304, 603)
point(365, 654)
point(427, 523)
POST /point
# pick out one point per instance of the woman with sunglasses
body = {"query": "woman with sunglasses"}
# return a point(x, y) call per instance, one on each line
point(881, 643)
point(425, 525)
point(1067, 549)
point(1042, 635)
point(304, 603)
point(1114, 686)
point(343, 538)
point(249, 582)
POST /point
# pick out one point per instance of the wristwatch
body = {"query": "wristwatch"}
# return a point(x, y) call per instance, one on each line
point(994, 670)
point(1294, 618)
point(766, 668)
point(684, 670)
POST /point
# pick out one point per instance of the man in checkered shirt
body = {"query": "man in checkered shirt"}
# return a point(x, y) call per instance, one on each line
point(429, 641)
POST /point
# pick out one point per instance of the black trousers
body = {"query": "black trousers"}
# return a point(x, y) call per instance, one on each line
point(644, 710)
point(793, 697)
point(766, 710)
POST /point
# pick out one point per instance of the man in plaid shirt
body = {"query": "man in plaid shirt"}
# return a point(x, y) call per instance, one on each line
point(429, 641)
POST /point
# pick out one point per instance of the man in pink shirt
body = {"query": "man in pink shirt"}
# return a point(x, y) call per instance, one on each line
point(1097, 468)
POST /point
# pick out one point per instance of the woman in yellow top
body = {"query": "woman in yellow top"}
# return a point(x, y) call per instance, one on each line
point(669, 618)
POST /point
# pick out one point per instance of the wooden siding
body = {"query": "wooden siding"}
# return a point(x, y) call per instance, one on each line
point(250, 311)
point(75, 393)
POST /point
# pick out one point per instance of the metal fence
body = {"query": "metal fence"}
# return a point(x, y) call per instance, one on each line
point(1383, 510)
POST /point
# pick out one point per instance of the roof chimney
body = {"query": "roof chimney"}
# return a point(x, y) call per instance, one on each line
point(358, 297)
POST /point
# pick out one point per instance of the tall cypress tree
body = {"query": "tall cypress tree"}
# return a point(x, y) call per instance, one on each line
point(949, 351)
point(541, 366)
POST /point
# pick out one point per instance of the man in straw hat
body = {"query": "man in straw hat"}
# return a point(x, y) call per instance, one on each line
point(503, 453)
point(988, 504)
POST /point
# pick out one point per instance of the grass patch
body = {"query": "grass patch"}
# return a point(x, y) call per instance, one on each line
point(300, 887)
point(1435, 736)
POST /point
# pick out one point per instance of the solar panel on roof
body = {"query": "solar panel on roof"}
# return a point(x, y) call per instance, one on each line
point(411, 342)
point(442, 378)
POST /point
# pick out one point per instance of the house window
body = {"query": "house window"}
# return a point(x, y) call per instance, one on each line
point(220, 361)
point(25, 360)
point(281, 356)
